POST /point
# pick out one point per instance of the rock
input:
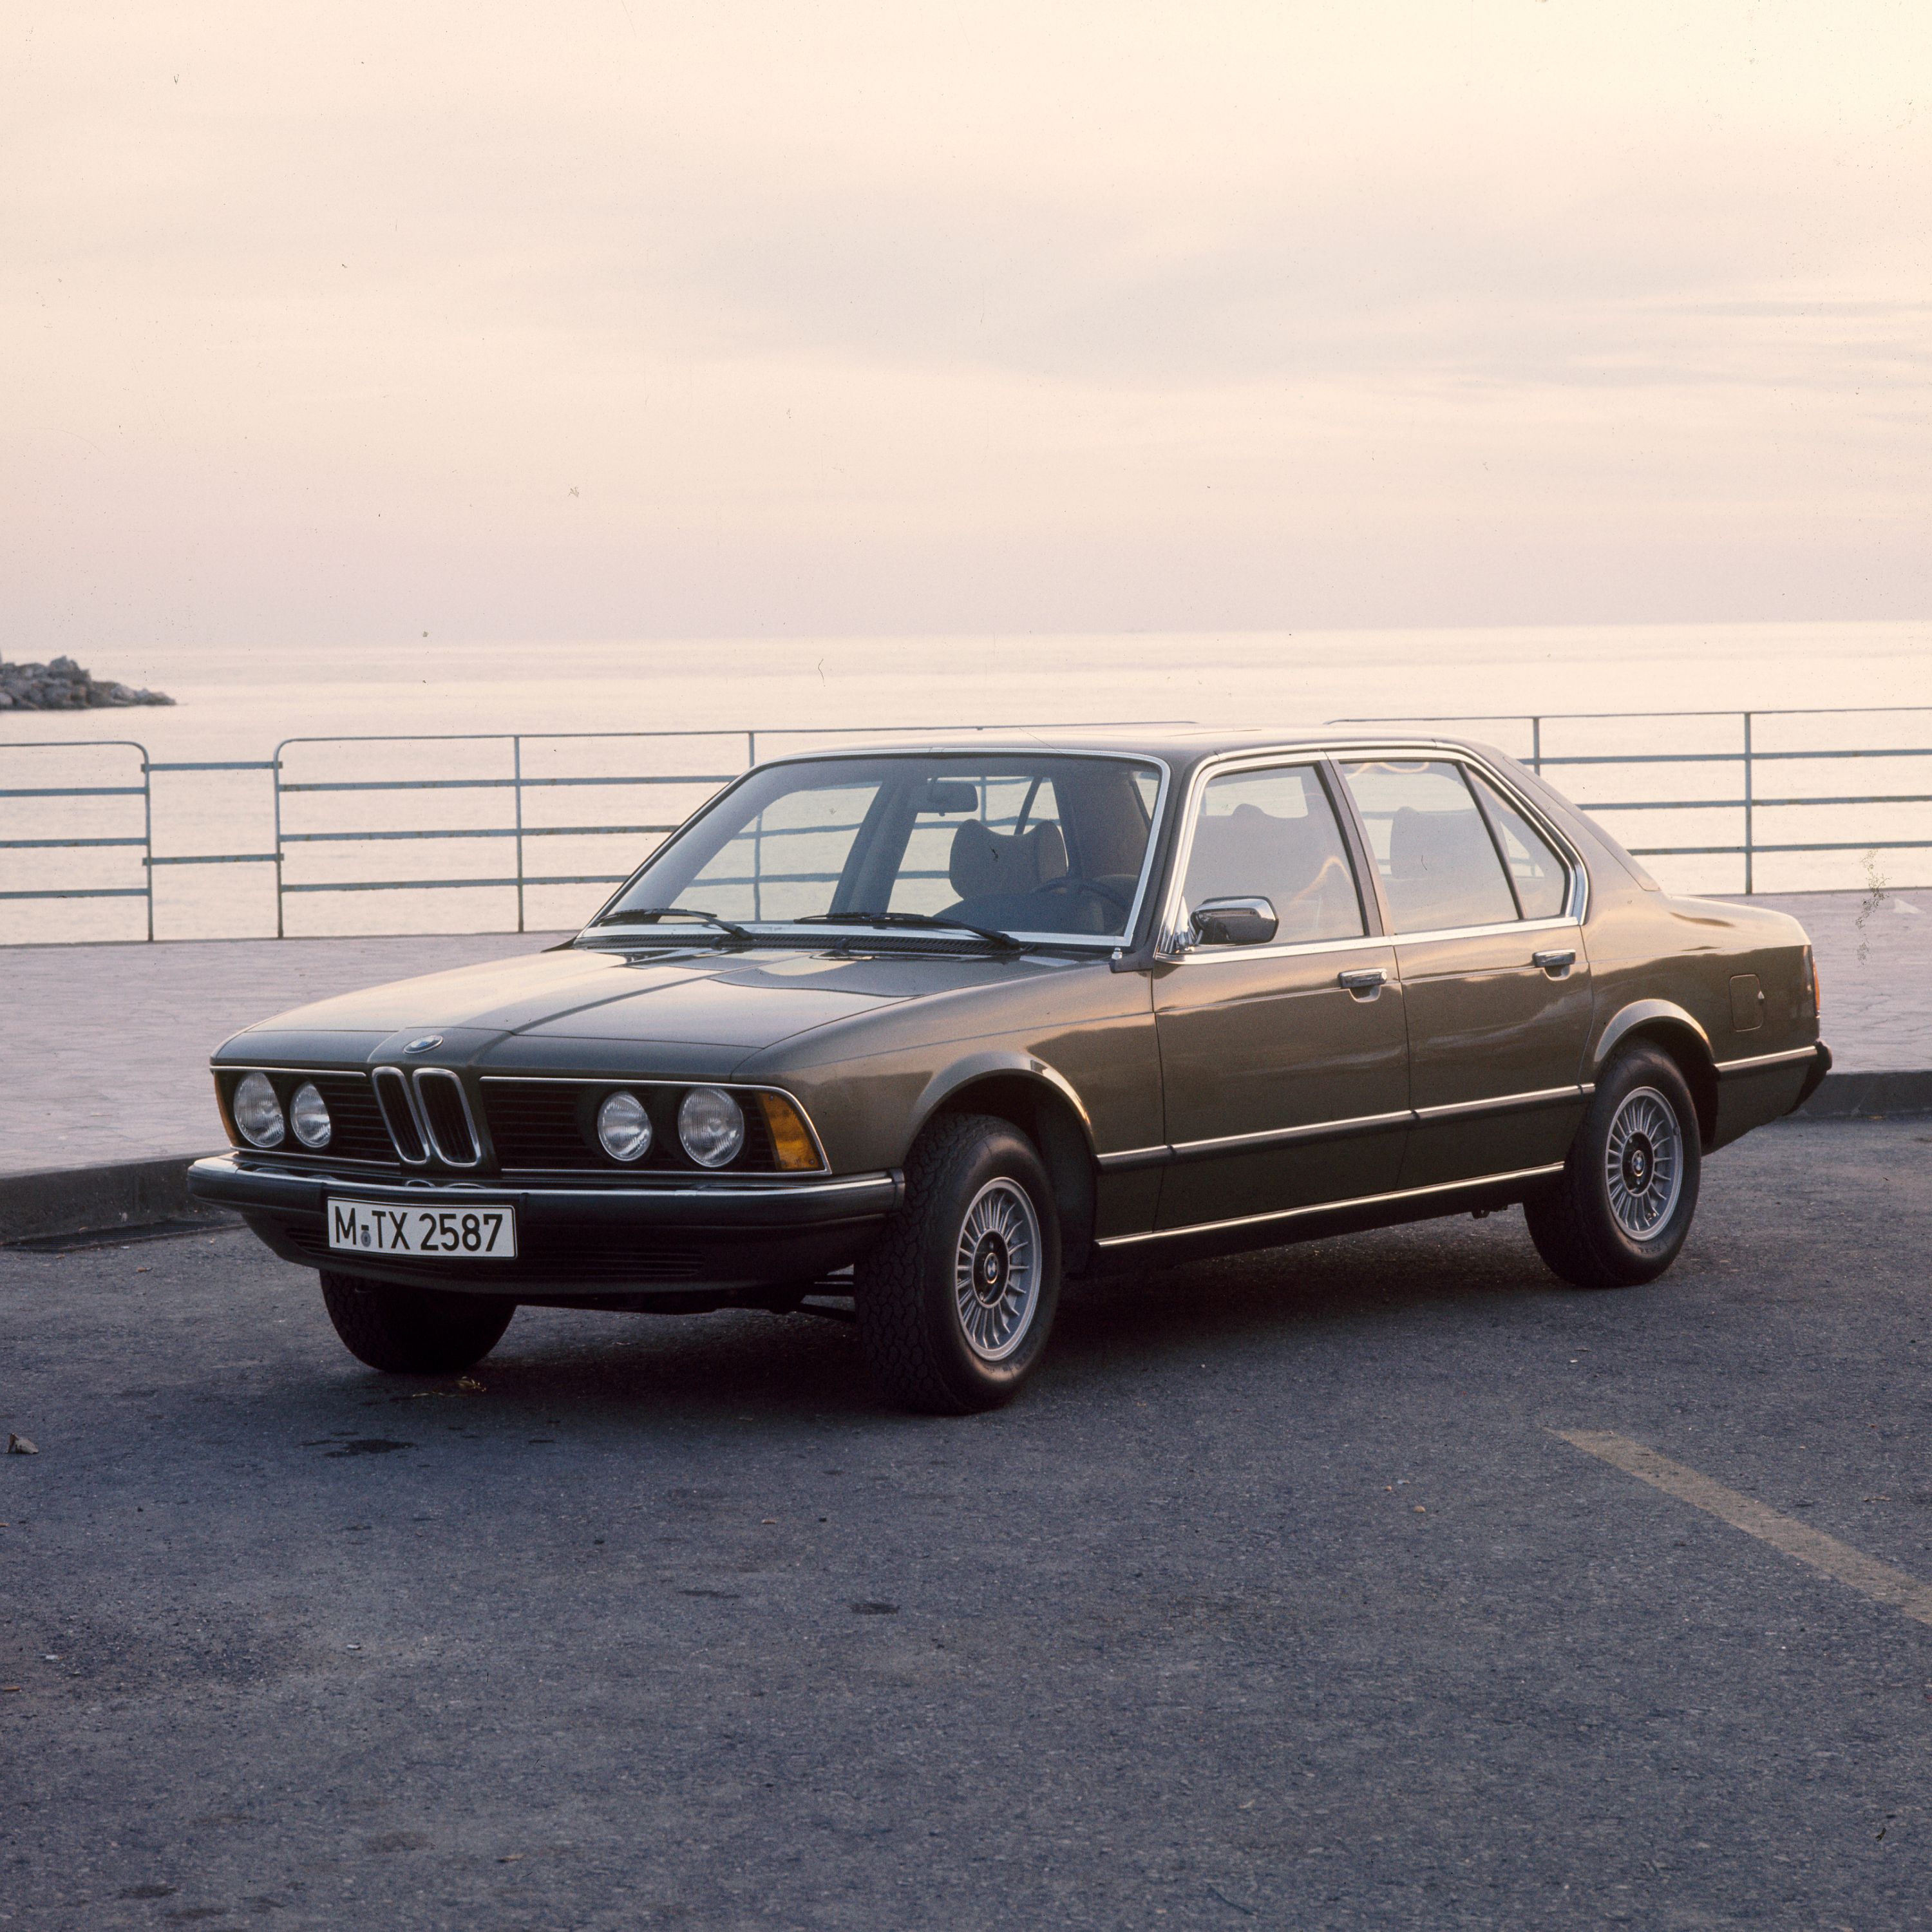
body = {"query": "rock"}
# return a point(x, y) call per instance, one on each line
point(65, 686)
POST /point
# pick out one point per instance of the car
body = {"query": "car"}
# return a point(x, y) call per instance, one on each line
point(936, 1026)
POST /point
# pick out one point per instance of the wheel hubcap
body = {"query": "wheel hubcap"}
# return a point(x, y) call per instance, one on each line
point(996, 1271)
point(1643, 1162)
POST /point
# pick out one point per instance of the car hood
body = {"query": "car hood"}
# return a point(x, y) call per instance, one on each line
point(738, 1000)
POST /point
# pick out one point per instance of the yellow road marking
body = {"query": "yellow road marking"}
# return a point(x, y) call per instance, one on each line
point(1826, 1554)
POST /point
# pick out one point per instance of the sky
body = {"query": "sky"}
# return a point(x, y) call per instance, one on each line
point(351, 323)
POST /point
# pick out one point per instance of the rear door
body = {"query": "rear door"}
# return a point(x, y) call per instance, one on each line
point(1496, 984)
point(1285, 1065)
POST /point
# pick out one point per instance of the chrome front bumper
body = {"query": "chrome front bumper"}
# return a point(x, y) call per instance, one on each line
point(677, 1238)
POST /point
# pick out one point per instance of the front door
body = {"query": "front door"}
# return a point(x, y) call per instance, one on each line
point(1496, 980)
point(1285, 1065)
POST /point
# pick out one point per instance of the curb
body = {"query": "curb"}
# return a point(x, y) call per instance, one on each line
point(1865, 1096)
point(75, 1200)
point(135, 1193)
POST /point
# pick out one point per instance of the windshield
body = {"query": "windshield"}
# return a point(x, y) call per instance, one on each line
point(1016, 843)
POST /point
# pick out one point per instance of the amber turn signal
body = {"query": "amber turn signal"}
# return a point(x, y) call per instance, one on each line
point(793, 1147)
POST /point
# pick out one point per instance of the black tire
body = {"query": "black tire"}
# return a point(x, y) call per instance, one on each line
point(908, 1288)
point(412, 1331)
point(1591, 1227)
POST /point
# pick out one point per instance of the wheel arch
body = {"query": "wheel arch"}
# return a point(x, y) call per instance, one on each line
point(1044, 1105)
point(1663, 1024)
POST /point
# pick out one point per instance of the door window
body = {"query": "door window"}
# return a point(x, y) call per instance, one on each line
point(1541, 880)
point(1272, 835)
point(1432, 846)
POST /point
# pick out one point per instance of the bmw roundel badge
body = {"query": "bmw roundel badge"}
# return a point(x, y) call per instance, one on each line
point(423, 1045)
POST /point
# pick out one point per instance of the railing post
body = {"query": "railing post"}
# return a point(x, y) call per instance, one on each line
point(1536, 745)
point(148, 835)
point(275, 779)
point(1749, 887)
point(517, 772)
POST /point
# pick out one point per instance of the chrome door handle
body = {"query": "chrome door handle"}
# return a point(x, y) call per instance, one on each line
point(1364, 983)
point(1555, 963)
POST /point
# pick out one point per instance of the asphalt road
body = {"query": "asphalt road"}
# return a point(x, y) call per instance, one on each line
point(1273, 1602)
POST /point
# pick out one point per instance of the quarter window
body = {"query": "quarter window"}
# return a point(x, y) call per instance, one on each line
point(1272, 834)
point(1432, 845)
point(1541, 880)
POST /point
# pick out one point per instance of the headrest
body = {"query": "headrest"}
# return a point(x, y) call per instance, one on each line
point(985, 863)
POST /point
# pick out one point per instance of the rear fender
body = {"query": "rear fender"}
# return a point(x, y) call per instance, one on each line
point(1670, 1027)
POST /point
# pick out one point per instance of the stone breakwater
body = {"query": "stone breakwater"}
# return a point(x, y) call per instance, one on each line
point(63, 686)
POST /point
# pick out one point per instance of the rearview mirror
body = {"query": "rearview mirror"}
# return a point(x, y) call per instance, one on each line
point(1234, 922)
point(949, 795)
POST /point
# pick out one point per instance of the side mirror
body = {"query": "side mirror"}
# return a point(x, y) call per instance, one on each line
point(1234, 923)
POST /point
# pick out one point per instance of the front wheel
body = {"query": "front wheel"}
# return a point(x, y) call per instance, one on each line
point(1624, 1204)
point(955, 1299)
point(412, 1331)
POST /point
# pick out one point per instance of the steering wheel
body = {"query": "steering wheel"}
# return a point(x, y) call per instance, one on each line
point(1110, 894)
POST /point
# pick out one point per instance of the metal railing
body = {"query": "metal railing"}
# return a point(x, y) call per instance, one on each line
point(329, 796)
point(293, 785)
point(1749, 756)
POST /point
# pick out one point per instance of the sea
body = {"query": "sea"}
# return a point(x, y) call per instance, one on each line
point(378, 714)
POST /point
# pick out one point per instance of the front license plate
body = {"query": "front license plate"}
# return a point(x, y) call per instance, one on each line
point(443, 1234)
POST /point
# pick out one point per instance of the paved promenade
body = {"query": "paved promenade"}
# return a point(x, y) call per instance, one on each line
point(103, 1049)
point(104, 1052)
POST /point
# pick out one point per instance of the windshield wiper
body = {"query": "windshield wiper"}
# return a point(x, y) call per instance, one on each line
point(652, 915)
point(1004, 941)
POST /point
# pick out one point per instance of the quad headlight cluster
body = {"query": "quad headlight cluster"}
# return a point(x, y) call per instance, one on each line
point(710, 1126)
point(258, 1113)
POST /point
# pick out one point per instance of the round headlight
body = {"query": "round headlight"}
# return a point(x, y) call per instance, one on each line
point(624, 1127)
point(712, 1125)
point(257, 1112)
point(308, 1114)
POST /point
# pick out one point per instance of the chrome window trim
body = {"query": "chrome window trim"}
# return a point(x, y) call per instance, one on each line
point(1333, 1206)
point(1035, 749)
point(1174, 944)
point(1758, 1061)
point(659, 1080)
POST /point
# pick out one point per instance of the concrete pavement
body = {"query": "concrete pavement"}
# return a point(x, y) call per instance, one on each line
point(1275, 1601)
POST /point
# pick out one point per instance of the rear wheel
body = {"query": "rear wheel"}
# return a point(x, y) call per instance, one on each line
point(955, 1300)
point(1629, 1189)
point(412, 1331)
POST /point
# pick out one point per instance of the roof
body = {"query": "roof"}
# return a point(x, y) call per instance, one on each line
point(1181, 745)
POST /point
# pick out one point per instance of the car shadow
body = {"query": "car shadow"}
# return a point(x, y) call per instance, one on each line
point(631, 1371)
